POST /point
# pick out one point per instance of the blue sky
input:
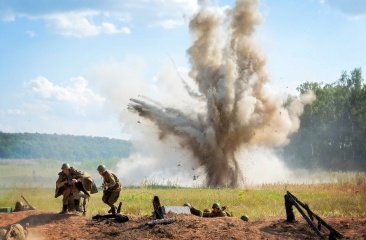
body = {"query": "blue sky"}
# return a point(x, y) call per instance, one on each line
point(70, 67)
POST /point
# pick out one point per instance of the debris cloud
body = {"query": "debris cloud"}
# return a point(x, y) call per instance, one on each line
point(239, 111)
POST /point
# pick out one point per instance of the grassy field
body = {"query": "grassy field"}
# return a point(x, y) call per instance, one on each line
point(35, 180)
point(335, 199)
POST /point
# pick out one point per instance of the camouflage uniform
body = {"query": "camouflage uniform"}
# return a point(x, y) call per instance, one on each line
point(71, 190)
point(15, 232)
point(113, 188)
point(220, 213)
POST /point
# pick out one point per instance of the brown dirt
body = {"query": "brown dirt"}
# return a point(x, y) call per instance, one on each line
point(48, 225)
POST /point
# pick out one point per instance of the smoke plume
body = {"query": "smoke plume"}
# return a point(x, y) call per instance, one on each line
point(239, 112)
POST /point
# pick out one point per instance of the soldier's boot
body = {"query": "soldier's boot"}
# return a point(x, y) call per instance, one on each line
point(111, 210)
point(64, 209)
point(77, 205)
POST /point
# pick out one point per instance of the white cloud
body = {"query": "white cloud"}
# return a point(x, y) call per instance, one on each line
point(73, 24)
point(74, 91)
point(183, 7)
point(70, 107)
point(110, 28)
point(82, 24)
point(89, 18)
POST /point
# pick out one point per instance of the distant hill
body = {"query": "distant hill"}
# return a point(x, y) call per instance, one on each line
point(61, 147)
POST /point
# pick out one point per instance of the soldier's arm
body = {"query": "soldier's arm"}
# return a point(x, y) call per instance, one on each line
point(60, 181)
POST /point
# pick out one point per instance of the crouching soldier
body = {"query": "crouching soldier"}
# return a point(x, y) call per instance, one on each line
point(112, 187)
point(70, 182)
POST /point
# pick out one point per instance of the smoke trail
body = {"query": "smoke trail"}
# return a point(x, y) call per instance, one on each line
point(230, 74)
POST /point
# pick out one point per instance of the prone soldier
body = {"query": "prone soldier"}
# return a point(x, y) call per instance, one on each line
point(217, 211)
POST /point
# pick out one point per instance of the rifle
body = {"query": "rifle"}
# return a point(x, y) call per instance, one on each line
point(30, 206)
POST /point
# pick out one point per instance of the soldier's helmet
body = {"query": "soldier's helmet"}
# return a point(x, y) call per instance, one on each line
point(18, 206)
point(188, 205)
point(244, 218)
point(101, 168)
point(216, 205)
point(65, 166)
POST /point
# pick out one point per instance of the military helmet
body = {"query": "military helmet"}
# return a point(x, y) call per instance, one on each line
point(65, 166)
point(18, 206)
point(244, 218)
point(101, 168)
point(188, 205)
point(216, 205)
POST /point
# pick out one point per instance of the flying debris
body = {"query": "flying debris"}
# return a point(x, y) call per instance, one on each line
point(229, 70)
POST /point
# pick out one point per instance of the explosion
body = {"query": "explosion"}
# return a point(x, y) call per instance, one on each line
point(229, 70)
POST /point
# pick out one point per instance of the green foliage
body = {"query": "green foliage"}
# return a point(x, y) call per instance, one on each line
point(333, 128)
point(61, 147)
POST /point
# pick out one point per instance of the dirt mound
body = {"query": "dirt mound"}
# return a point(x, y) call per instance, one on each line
point(47, 225)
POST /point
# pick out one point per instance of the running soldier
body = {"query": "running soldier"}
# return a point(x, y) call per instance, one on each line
point(111, 188)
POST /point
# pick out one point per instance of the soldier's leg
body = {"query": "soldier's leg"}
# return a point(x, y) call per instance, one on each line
point(77, 196)
point(111, 200)
point(106, 195)
point(65, 199)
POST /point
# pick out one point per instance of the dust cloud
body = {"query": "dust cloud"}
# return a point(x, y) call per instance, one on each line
point(234, 109)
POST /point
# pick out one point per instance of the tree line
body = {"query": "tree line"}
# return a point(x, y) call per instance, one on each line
point(61, 147)
point(332, 133)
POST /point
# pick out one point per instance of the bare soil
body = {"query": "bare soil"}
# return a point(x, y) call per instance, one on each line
point(48, 225)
